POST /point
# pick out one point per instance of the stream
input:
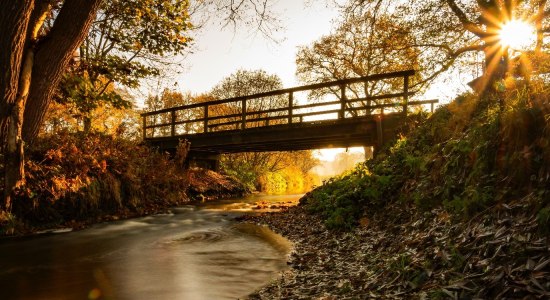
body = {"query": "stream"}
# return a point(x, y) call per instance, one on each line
point(194, 252)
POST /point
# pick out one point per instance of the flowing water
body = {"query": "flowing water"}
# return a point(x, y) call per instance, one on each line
point(195, 252)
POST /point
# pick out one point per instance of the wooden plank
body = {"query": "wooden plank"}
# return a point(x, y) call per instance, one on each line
point(144, 133)
point(297, 107)
point(265, 119)
point(259, 112)
point(406, 94)
point(421, 102)
point(342, 112)
point(324, 112)
point(379, 134)
point(205, 117)
point(290, 104)
point(381, 97)
point(243, 117)
point(172, 123)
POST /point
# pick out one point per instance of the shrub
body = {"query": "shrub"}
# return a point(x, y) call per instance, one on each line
point(74, 177)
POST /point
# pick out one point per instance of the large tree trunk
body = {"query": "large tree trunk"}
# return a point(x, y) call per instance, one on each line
point(14, 17)
point(52, 57)
point(32, 72)
point(14, 21)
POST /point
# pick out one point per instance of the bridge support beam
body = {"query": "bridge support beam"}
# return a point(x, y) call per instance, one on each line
point(379, 136)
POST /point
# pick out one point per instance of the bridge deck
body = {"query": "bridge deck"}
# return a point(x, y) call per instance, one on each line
point(360, 131)
point(341, 113)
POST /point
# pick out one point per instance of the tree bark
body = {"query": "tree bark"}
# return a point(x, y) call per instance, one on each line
point(14, 22)
point(31, 72)
point(14, 18)
point(52, 56)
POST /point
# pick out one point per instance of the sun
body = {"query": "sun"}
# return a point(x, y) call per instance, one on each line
point(518, 35)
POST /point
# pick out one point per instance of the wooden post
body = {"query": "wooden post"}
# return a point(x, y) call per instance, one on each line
point(144, 127)
point(205, 122)
point(342, 112)
point(432, 107)
point(172, 123)
point(379, 135)
point(243, 116)
point(368, 111)
point(406, 94)
point(290, 104)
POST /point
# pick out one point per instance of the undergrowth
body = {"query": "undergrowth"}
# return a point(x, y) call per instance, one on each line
point(469, 155)
point(73, 177)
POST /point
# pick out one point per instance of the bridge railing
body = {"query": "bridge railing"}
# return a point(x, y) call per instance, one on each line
point(339, 99)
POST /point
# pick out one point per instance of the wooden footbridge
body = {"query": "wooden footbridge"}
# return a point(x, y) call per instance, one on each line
point(362, 111)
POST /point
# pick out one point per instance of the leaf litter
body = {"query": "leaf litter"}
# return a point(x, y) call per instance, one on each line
point(404, 253)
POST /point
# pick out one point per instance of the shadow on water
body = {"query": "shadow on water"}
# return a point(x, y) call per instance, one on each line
point(196, 252)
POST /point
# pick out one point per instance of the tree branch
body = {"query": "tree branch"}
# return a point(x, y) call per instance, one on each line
point(52, 57)
point(468, 25)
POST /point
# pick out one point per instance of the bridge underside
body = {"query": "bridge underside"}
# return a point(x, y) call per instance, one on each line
point(359, 131)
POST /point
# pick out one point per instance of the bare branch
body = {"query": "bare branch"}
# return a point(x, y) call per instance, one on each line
point(468, 25)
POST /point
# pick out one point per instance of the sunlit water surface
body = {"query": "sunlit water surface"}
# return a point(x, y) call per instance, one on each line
point(191, 253)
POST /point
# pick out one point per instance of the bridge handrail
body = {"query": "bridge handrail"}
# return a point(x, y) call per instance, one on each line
point(314, 86)
point(242, 116)
point(378, 106)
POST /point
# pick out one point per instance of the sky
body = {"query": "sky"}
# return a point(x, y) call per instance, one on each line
point(221, 52)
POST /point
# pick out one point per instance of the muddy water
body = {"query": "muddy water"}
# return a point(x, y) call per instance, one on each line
point(195, 252)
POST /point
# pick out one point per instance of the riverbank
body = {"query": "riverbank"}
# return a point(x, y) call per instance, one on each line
point(404, 253)
point(456, 208)
point(201, 185)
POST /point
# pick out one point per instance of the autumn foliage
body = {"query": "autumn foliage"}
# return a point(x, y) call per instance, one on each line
point(83, 177)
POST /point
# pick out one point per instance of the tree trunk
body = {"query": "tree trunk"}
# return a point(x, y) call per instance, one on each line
point(87, 120)
point(31, 72)
point(14, 21)
point(52, 57)
point(14, 17)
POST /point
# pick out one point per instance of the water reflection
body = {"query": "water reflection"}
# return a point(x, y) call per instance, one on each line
point(189, 254)
point(257, 202)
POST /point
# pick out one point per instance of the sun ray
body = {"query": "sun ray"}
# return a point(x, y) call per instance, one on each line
point(495, 53)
